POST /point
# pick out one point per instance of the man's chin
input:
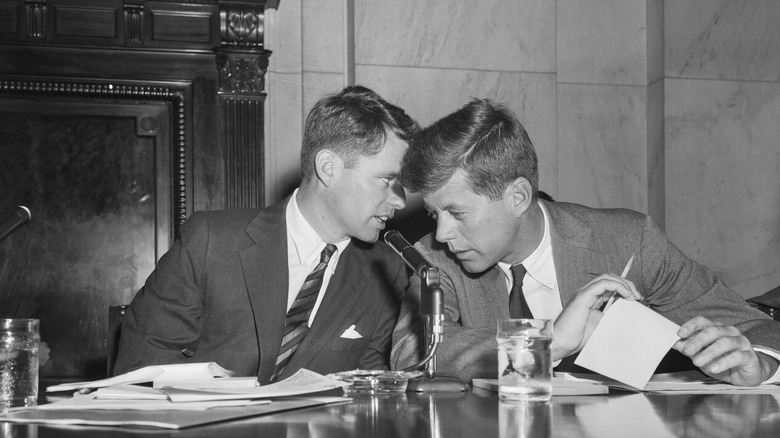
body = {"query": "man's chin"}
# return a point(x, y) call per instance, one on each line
point(474, 266)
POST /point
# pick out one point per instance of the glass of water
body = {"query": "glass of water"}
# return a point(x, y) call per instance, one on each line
point(19, 343)
point(524, 359)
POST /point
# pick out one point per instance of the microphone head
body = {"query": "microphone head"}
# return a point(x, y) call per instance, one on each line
point(23, 212)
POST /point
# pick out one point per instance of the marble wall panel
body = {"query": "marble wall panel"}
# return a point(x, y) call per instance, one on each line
point(429, 94)
point(656, 153)
point(602, 41)
point(324, 35)
point(316, 85)
point(723, 39)
point(284, 85)
point(602, 145)
point(723, 156)
point(517, 35)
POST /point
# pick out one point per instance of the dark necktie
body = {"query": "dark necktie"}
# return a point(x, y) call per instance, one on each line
point(295, 324)
point(518, 306)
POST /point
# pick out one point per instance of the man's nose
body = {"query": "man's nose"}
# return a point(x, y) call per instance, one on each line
point(397, 196)
point(444, 230)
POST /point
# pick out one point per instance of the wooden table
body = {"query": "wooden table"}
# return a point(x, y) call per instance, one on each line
point(479, 414)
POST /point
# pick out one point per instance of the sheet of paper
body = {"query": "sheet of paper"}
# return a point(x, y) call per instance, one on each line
point(629, 343)
point(200, 370)
point(168, 419)
point(560, 385)
point(302, 382)
point(210, 383)
point(90, 402)
point(126, 392)
point(683, 382)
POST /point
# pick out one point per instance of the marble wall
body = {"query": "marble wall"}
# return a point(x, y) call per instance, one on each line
point(722, 111)
point(666, 107)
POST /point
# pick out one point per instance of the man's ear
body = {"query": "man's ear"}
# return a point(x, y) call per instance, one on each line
point(327, 166)
point(518, 195)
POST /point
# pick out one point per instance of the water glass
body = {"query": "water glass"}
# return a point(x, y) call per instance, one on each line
point(19, 343)
point(524, 359)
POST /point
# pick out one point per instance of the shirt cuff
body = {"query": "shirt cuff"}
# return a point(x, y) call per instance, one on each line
point(774, 354)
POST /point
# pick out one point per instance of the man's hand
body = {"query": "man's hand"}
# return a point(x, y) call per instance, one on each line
point(579, 318)
point(722, 352)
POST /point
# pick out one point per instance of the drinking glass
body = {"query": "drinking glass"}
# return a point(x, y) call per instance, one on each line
point(524, 360)
point(19, 343)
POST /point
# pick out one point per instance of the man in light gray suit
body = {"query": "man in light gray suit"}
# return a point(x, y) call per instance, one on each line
point(477, 172)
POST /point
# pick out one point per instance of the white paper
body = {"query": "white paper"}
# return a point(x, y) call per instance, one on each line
point(200, 370)
point(302, 382)
point(211, 383)
point(89, 402)
point(629, 343)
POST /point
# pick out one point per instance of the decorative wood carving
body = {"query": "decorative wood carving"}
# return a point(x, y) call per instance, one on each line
point(242, 64)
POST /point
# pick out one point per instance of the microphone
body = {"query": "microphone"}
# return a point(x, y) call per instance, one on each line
point(432, 311)
point(18, 217)
point(411, 256)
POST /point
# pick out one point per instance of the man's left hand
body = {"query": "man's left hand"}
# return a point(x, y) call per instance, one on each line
point(722, 352)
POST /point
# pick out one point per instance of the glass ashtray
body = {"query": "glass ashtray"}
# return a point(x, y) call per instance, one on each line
point(375, 381)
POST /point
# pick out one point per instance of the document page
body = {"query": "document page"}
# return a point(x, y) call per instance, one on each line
point(629, 343)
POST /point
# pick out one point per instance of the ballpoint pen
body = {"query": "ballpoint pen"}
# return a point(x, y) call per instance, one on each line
point(612, 296)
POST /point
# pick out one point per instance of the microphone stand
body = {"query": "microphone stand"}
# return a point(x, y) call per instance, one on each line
point(432, 311)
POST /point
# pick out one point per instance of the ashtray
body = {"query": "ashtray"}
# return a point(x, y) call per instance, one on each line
point(375, 381)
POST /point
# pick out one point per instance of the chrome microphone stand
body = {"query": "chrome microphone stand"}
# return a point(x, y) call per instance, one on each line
point(432, 311)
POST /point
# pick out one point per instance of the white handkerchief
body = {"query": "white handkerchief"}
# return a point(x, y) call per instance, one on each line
point(351, 333)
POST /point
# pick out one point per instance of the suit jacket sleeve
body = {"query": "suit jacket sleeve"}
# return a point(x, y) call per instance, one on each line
point(163, 322)
point(680, 289)
point(468, 347)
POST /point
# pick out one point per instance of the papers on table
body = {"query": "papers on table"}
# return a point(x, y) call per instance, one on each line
point(167, 419)
point(686, 382)
point(179, 405)
point(628, 343)
point(167, 373)
point(561, 386)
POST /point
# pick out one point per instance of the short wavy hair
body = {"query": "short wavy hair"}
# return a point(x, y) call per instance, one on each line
point(352, 123)
point(483, 139)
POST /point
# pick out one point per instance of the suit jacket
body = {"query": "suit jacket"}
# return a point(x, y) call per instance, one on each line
point(583, 240)
point(220, 294)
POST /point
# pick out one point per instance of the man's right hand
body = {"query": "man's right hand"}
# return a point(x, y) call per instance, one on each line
point(579, 318)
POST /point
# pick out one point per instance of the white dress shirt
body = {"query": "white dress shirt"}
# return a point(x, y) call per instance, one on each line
point(540, 287)
point(304, 247)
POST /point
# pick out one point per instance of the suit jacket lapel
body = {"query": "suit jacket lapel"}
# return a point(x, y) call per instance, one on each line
point(340, 298)
point(575, 253)
point(266, 276)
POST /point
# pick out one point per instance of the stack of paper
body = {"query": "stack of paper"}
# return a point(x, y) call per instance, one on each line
point(154, 373)
point(178, 388)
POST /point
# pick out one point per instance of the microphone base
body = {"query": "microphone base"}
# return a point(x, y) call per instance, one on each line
point(437, 383)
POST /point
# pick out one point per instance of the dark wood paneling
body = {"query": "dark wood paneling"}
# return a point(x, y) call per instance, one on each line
point(138, 80)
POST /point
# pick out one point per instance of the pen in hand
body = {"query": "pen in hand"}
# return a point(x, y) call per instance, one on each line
point(612, 296)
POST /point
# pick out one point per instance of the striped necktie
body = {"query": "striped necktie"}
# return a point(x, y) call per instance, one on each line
point(296, 322)
point(518, 306)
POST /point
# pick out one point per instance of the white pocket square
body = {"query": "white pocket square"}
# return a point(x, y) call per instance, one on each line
point(351, 333)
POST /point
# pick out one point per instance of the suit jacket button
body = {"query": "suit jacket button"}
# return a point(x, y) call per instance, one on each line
point(187, 352)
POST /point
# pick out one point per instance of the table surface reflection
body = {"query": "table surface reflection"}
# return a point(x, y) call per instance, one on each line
point(479, 413)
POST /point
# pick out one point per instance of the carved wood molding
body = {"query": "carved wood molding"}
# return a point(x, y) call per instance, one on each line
point(174, 94)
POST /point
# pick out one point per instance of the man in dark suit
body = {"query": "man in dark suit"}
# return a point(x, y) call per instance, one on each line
point(477, 172)
point(301, 284)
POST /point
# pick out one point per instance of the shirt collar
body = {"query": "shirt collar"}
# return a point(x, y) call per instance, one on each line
point(539, 264)
point(307, 244)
